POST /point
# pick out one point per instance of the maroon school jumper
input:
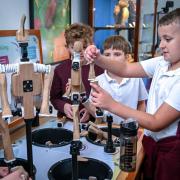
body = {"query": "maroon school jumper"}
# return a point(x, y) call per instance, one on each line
point(61, 74)
point(162, 158)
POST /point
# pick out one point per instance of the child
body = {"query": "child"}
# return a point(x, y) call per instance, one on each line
point(162, 121)
point(75, 32)
point(129, 91)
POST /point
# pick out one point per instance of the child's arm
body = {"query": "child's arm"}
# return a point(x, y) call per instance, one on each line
point(121, 68)
point(162, 118)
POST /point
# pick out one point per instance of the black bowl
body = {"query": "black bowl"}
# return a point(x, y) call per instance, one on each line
point(19, 162)
point(52, 137)
point(91, 137)
point(62, 170)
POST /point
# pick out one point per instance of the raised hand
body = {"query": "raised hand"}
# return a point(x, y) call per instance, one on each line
point(91, 53)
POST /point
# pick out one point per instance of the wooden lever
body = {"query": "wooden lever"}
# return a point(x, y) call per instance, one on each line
point(95, 129)
point(22, 34)
point(76, 87)
point(76, 132)
point(6, 111)
point(92, 75)
point(44, 111)
point(8, 150)
point(67, 94)
point(91, 109)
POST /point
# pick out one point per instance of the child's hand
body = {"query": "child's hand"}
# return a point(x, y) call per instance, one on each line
point(84, 115)
point(91, 53)
point(3, 171)
point(101, 98)
point(18, 173)
point(68, 110)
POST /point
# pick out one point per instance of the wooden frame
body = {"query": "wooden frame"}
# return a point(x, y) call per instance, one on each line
point(36, 33)
point(12, 33)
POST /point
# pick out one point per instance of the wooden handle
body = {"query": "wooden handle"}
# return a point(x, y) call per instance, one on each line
point(76, 133)
point(21, 34)
point(75, 78)
point(44, 111)
point(8, 150)
point(92, 75)
point(95, 129)
point(91, 109)
point(6, 111)
point(98, 131)
point(68, 91)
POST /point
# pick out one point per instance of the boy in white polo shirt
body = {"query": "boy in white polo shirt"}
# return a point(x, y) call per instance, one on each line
point(161, 141)
point(129, 91)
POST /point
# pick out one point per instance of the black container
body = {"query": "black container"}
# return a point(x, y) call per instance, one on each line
point(19, 162)
point(91, 137)
point(56, 136)
point(128, 150)
point(62, 170)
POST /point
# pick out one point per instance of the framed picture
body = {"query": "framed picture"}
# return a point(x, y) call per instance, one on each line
point(10, 51)
point(51, 17)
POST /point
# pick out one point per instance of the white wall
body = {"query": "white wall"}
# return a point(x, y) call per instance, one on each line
point(11, 12)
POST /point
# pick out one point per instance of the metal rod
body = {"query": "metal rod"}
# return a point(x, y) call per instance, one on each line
point(28, 123)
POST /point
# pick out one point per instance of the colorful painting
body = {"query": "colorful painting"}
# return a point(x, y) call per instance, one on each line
point(52, 17)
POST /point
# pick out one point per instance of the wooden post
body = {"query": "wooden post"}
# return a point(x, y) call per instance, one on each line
point(6, 140)
point(6, 111)
point(44, 111)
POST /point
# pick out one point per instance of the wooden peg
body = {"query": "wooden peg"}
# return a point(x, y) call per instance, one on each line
point(6, 111)
point(76, 131)
point(68, 91)
point(6, 140)
point(22, 34)
point(44, 111)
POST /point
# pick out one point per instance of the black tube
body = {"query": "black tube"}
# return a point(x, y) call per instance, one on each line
point(28, 123)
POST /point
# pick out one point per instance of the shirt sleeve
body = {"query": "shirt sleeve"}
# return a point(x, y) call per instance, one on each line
point(149, 65)
point(174, 99)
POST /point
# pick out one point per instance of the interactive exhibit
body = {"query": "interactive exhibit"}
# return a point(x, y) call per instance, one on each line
point(63, 149)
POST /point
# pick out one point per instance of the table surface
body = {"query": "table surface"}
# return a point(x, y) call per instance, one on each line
point(51, 155)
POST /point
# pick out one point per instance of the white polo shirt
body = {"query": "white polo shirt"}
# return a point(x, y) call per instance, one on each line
point(128, 92)
point(165, 87)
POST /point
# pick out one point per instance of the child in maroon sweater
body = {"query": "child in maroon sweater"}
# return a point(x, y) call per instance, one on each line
point(75, 32)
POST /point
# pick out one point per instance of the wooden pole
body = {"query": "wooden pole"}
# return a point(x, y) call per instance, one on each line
point(154, 28)
point(137, 27)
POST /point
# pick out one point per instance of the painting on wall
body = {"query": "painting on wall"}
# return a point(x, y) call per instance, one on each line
point(52, 17)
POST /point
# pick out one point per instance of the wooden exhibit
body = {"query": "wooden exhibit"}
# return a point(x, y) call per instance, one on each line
point(28, 82)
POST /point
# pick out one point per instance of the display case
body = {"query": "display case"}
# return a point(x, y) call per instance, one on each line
point(121, 17)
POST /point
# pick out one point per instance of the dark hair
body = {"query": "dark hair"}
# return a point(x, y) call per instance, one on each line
point(117, 42)
point(171, 17)
point(79, 31)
